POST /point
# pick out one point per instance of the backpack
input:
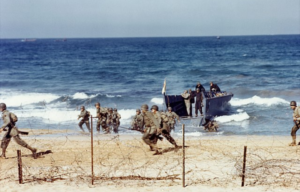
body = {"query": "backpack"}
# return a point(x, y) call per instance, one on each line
point(13, 117)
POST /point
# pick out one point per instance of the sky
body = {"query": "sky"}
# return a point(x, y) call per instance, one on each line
point(147, 18)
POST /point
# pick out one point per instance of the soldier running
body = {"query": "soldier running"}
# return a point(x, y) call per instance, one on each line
point(84, 114)
point(9, 123)
point(164, 126)
point(171, 118)
point(296, 119)
point(138, 121)
point(101, 115)
point(151, 126)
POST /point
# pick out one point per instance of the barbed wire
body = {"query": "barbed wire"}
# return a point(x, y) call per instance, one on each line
point(124, 160)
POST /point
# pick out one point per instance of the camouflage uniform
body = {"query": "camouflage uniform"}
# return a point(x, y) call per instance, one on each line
point(85, 119)
point(102, 115)
point(151, 126)
point(295, 128)
point(171, 122)
point(165, 130)
point(138, 122)
point(113, 120)
point(12, 132)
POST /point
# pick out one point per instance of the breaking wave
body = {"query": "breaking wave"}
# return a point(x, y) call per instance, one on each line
point(16, 99)
point(241, 116)
point(256, 100)
point(158, 101)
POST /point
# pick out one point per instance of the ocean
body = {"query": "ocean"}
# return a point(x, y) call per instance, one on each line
point(46, 81)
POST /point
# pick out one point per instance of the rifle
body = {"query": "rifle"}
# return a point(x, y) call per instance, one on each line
point(21, 132)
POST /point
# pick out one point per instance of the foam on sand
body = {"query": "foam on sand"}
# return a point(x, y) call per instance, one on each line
point(256, 100)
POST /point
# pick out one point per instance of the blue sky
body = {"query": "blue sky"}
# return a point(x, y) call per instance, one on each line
point(147, 18)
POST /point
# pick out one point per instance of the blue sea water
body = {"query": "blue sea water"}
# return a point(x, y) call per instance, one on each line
point(46, 81)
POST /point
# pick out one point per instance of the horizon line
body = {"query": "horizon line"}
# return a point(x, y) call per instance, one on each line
point(128, 37)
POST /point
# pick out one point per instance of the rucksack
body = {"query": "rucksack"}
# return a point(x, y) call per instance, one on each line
point(13, 117)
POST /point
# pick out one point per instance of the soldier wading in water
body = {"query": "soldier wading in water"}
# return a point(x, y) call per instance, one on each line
point(9, 123)
point(296, 119)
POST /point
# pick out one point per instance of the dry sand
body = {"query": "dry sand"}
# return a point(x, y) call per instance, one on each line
point(125, 163)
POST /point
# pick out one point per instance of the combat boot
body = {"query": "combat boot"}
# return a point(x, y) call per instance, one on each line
point(3, 154)
point(157, 152)
point(33, 150)
point(294, 141)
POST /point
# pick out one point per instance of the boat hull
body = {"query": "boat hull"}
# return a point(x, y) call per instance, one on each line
point(213, 106)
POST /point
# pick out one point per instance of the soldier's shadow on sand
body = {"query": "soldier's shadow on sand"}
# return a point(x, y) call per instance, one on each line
point(170, 149)
point(39, 154)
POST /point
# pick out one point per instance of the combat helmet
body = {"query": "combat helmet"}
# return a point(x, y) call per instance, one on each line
point(145, 107)
point(110, 109)
point(155, 107)
point(138, 110)
point(293, 103)
point(3, 106)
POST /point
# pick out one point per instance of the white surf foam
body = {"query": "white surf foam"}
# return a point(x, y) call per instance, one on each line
point(158, 101)
point(63, 115)
point(256, 100)
point(82, 95)
point(15, 99)
point(235, 117)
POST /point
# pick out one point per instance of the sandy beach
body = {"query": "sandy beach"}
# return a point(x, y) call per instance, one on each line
point(125, 163)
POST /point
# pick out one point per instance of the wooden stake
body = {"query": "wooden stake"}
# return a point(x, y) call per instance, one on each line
point(183, 157)
point(92, 150)
point(244, 166)
point(20, 167)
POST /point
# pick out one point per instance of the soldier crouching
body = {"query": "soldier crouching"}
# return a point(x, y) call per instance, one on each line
point(12, 132)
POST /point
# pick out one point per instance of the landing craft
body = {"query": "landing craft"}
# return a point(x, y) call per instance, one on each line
point(214, 104)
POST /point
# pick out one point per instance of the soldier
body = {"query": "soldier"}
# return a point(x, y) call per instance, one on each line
point(101, 115)
point(192, 100)
point(200, 87)
point(9, 123)
point(138, 121)
point(171, 118)
point(109, 118)
point(156, 113)
point(296, 119)
point(84, 114)
point(199, 104)
point(164, 127)
point(116, 120)
point(151, 126)
point(214, 87)
point(186, 97)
